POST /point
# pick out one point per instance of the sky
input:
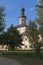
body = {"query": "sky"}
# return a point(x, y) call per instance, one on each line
point(12, 10)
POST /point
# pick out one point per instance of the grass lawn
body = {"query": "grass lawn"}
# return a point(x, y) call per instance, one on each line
point(30, 61)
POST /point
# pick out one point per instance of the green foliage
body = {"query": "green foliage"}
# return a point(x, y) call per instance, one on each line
point(12, 38)
point(32, 34)
point(1, 39)
point(39, 19)
point(2, 21)
point(41, 30)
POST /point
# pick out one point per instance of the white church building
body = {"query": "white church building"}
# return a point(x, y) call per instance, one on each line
point(22, 29)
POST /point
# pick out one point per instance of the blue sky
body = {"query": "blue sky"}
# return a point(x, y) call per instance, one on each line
point(12, 10)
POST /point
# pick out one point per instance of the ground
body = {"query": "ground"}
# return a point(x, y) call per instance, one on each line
point(6, 61)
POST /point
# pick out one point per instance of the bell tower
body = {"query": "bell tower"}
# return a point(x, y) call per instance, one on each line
point(22, 29)
point(22, 18)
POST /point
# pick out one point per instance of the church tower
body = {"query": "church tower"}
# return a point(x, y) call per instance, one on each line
point(22, 29)
point(22, 21)
point(22, 18)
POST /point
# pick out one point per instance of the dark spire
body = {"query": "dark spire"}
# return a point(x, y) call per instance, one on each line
point(22, 12)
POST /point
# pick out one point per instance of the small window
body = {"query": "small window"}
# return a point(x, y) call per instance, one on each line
point(26, 39)
point(25, 46)
point(30, 46)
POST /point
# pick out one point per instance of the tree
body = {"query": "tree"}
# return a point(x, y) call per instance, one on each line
point(13, 38)
point(3, 38)
point(2, 21)
point(2, 24)
point(32, 34)
point(39, 19)
point(39, 9)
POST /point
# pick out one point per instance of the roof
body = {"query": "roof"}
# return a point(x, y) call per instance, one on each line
point(23, 16)
point(18, 26)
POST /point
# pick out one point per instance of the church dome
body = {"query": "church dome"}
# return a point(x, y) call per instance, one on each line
point(22, 13)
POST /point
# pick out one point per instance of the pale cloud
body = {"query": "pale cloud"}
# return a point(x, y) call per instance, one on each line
point(38, 0)
point(31, 9)
point(8, 6)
